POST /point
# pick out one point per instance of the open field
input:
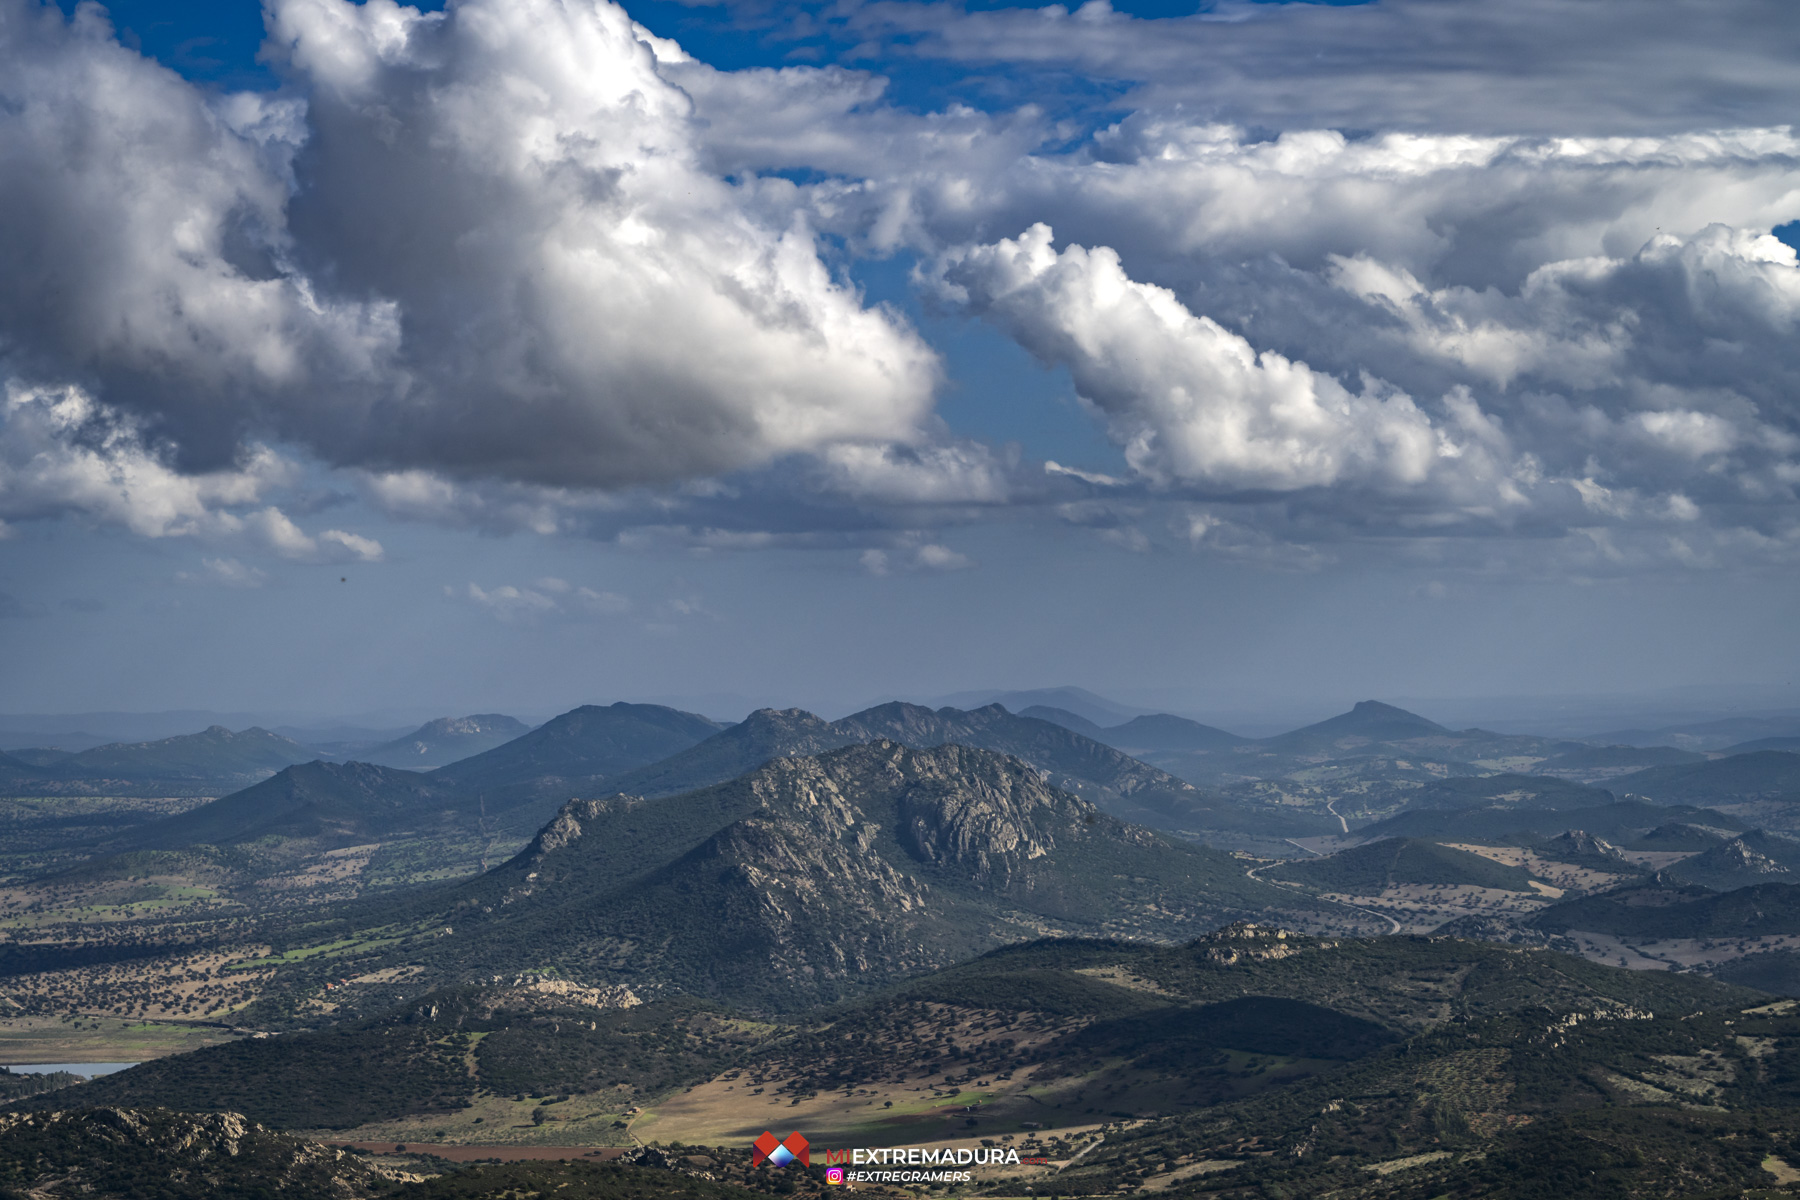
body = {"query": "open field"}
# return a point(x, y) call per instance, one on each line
point(203, 985)
point(1668, 954)
point(76, 1039)
point(597, 1119)
point(1422, 907)
point(40, 833)
point(1560, 875)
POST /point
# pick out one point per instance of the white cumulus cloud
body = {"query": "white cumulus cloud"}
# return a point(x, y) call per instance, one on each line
point(1189, 400)
point(500, 256)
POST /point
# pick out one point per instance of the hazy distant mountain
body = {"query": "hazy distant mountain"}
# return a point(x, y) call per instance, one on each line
point(446, 740)
point(339, 803)
point(1704, 735)
point(1788, 744)
point(214, 760)
point(1161, 731)
point(1141, 735)
point(1065, 718)
point(1588, 758)
point(342, 741)
point(214, 753)
point(580, 749)
point(814, 877)
point(1079, 701)
point(13, 741)
point(1761, 775)
point(1370, 721)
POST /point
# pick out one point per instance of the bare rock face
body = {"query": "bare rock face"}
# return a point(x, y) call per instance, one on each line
point(1243, 941)
point(989, 823)
point(1583, 845)
point(1737, 856)
point(564, 829)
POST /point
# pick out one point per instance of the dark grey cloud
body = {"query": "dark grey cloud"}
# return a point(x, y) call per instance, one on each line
point(1582, 67)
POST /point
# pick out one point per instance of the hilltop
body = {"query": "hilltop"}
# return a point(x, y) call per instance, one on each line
point(446, 740)
point(1159, 731)
point(1369, 721)
point(1664, 908)
point(1750, 858)
point(1371, 867)
point(580, 749)
point(336, 803)
point(1759, 775)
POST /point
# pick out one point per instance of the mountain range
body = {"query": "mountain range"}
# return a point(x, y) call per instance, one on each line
point(1389, 776)
point(818, 876)
point(652, 751)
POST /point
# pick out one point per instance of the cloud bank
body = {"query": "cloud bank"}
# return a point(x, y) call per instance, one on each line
point(1414, 269)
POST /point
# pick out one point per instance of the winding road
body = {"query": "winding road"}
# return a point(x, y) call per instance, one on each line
point(1394, 926)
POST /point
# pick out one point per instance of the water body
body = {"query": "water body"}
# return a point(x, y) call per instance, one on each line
point(91, 1070)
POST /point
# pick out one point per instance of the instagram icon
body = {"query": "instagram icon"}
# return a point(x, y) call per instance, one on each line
point(834, 1174)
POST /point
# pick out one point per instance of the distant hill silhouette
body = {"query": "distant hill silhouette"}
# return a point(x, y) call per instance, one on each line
point(1142, 734)
point(340, 803)
point(446, 740)
point(214, 760)
point(1789, 744)
point(1760, 775)
point(1588, 758)
point(1369, 721)
point(1068, 720)
point(580, 749)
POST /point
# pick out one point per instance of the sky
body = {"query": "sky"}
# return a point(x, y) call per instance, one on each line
point(1233, 359)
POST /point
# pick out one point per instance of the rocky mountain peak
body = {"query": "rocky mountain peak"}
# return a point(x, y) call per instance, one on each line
point(1585, 844)
point(565, 828)
point(1738, 855)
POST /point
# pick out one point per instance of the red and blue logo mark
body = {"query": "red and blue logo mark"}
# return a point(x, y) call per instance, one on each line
point(781, 1153)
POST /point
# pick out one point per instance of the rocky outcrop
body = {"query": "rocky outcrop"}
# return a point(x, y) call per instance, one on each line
point(101, 1152)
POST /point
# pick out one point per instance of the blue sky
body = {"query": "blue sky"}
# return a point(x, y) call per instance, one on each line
point(1241, 359)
